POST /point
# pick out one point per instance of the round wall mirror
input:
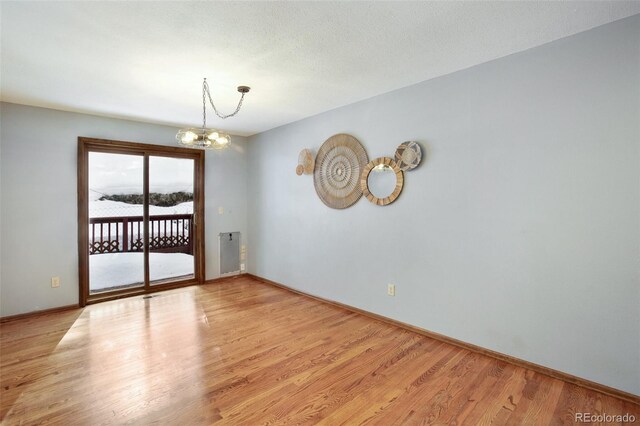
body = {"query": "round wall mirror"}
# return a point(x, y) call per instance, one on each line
point(381, 181)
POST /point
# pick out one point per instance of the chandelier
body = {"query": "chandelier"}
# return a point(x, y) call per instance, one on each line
point(209, 138)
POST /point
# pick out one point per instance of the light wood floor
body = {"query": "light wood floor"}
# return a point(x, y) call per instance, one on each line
point(246, 353)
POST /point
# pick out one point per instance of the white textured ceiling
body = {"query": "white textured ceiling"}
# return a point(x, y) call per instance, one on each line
point(145, 60)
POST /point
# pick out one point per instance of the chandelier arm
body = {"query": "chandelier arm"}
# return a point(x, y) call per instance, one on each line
point(209, 138)
point(205, 87)
point(205, 90)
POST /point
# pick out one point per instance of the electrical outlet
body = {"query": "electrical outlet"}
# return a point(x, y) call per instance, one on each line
point(220, 210)
point(391, 289)
point(55, 282)
point(242, 266)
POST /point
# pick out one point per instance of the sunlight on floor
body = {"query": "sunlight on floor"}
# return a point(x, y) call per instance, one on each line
point(142, 365)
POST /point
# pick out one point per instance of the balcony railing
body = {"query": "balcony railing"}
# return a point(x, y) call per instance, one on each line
point(171, 233)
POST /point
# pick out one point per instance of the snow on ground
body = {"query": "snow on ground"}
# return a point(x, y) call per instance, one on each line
point(107, 208)
point(111, 270)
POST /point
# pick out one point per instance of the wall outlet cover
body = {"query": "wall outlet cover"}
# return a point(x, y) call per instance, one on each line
point(391, 289)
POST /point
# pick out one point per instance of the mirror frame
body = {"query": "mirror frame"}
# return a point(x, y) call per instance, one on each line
point(364, 179)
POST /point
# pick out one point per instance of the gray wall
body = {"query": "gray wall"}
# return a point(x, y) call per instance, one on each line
point(39, 203)
point(519, 233)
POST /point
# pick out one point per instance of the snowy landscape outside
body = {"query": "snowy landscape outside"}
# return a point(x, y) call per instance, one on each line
point(115, 202)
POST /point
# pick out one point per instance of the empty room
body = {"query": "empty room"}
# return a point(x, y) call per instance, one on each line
point(335, 213)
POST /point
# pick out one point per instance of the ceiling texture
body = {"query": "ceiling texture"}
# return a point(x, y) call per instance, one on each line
point(145, 61)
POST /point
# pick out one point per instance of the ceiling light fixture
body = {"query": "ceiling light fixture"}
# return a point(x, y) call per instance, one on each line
point(209, 138)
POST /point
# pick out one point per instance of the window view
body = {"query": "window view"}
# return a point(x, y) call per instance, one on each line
point(170, 226)
point(116, 229)
point(116, 220)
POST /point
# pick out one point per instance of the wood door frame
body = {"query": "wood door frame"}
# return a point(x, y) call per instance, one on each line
point(86, 145)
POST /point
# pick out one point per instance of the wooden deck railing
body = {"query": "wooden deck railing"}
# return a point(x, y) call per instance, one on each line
point(172, 233)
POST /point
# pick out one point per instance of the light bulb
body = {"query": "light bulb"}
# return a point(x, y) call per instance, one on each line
point(223, 140)
point(213, 136)
point(189, 137)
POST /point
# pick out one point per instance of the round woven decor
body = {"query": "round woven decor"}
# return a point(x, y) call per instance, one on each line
point(339, 163)
point(305, 162)
point(408, 155)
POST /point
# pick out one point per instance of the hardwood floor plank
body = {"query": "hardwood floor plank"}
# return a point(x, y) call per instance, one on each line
point(241, 352)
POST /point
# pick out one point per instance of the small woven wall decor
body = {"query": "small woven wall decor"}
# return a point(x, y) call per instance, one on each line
point(408, 155)
point(339, 164)
point(305, 163)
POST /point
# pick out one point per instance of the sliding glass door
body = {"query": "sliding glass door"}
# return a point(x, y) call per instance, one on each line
point(138, 212)
point(116, 201)
point(170, 226)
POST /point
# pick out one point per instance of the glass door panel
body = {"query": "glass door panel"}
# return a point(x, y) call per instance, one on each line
point(116, 225)
point(171, 219)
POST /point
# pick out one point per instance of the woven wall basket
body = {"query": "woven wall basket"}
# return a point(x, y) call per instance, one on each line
point(336, 176)
point(408, 155)
point(305, 163)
